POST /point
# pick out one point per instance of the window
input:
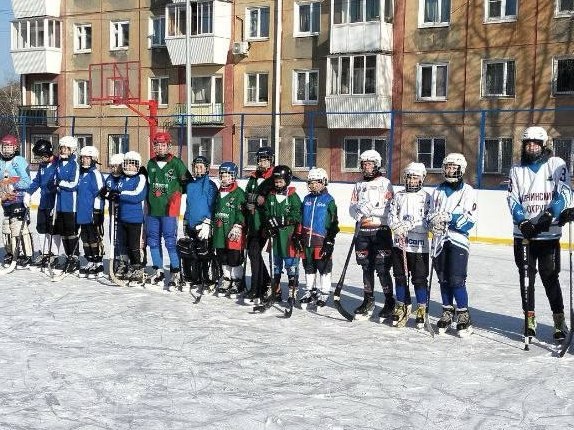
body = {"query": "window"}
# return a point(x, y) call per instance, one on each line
point(253, 144)
point(497, 155)
point(44, 94)
point(563, 148)
point(350, 11)
point(37, 33)
point(201, 19)
point(307, 19)
point(84, 140)
point(158, 89)
point(81, 93)
point(157, 31)
point(118, 143)
point(564, 7)
point(302, 148)
point(209, 147)
point(432, 81)
point(119, 35)
point(176, 21)
point(500, 10)
point(256, 88)
point(207, 90)
point(434, 13)
point(257, 21)
point(83, 38)
point(498, 78)
point(431, 151)
point(355, 146)
point(305, 86)
point(353, 75)
point(563, 80)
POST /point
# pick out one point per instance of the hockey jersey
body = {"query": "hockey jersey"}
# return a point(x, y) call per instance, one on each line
point(460, 203)
point(536, 188)
point(258, 184)
point(319, 219)
point(201, 194)
point(89, 185)
point(67, 177)
point(133, 192)
point(44, 180)
point(228, 211)
point(15, 178)
point(370, 203)
point(287, 205)
point(165, 189)
point(412, 209)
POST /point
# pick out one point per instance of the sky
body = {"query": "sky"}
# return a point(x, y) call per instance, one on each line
point(7, 70)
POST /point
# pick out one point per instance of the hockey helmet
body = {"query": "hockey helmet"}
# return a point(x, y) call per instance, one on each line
point(228, 172)
point(132, 163)
point(68, 142)
point(535, 135)
point(117, 159)
point(43, 148)
point(200, 160)
point(161, 143)
point(282, 172)
point(453, 159)
point(318, 174)
point(10, 145)
point(414, 176)
point(90, 151)
point(265, 153)
point(373, 156)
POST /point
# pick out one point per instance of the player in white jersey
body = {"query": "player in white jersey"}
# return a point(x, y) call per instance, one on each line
point(539, 190)
point(407, 218)
point(451, 216)
point(369, 206)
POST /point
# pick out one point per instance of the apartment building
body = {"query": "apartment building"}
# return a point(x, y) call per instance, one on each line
point(316, 79)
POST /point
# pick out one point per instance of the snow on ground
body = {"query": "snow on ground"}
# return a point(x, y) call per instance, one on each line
point(82, 355)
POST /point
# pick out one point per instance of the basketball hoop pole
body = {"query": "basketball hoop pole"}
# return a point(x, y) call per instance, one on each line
point(151, 119)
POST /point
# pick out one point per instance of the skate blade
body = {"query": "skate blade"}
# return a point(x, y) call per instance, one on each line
point(465, 332)
point(362, 317)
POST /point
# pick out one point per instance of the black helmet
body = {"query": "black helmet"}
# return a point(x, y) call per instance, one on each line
point(265, 152)
point(200, 159)
point(43, 148)
point(283, 172)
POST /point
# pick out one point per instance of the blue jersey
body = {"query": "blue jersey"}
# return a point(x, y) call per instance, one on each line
point(16, 170)
point(315, 218)
point(44, 180)
point(89, 186)
point(133, 192)
point(201, 194)
point(112, 183)
point(67, 177)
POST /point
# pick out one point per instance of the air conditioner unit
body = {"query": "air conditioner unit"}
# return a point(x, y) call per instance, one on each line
point(240, 48)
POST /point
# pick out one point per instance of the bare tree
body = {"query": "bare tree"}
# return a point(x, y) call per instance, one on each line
point(10, 97)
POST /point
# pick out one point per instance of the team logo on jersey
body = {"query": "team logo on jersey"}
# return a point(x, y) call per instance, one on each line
point(159, 189)
point(170, 175)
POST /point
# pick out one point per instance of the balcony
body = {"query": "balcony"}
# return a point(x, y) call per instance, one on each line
point(32, 8)
point(373, 36)
point(39, 115)
point(37, 60)
point(203, 114)
point(358, 111)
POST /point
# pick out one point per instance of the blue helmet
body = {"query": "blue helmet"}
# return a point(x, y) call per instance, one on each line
point(229, 167)
point(265, 152)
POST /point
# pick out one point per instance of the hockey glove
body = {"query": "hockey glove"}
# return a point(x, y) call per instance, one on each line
point(366, 208)
point(438, 223)
point(204, 229)
point(297, 240)
point(235, 233)
point(527, 229)
point(544, 222)
point(114, 196)
point(327, 249)
point(400, 229)
point(566, 216)
point(275, 222)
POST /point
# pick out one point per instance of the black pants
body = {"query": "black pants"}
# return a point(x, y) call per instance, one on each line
point(91, 236)
point(44, 221)
point(547, 254)
point(65, 226)
point(132, 232)
point(259, 274)
point(417, 265)
point(196, 261)
point(373, 254)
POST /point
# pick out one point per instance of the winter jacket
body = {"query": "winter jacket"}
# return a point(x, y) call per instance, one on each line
point(44, 180)
point(133, 192)
point(201, 194)
point(67, 178)
point(16, 175)
point(89, 186)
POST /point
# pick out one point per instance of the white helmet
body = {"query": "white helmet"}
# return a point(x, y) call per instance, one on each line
point(69, 142)
point(89, 151)
point(318, 174)
point(535, 133)
point(372, 155)
point(458, 160)
point(132, 158)
point(116, 159)
point(414, 169)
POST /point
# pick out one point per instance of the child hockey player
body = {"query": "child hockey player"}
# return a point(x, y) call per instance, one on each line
point(228, 234)
point(66, 182)
point(409, 209)
point(282, 215)
point(44, 181)
point(369, 206)
point(15, 180)
point(538, 191)
point(167, 175)
point(319, 226)
point(451, 216)
point(195, 248)
point(258, 187)
point(130, 198)
point(90, 212)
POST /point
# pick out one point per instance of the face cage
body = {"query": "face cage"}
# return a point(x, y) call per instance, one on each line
point(130, 163)
point(8, 150)
point(231, 178)
point(375, 168)
point(413, 188)
point(452, 177)
point(203, 164)
point(322, 182)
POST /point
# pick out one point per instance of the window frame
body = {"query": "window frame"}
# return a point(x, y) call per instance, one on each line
point(555, 64)
point(162, 99)
point(157, 40)
point(419, 81)
point(262, 140)
point(433, 140)
point(314, 17)
point(373, 139)
point(214, 82)
point(570, 160)
point(561, 13)
point(117, 28)
point(503, 15)
point(120, 146)
point(78, 84)
point(305, 140)
point(52, 93)
point(82, 41)
point(215, 142)
point(258, 36)
point(428, 24)
point(258, 88)
point(43, 35)
point(501, 170)
point(295, 86)
point(351, 75)
point(505, 62)
point(84, 140)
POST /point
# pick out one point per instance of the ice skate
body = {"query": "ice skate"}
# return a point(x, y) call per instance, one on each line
point(322, 298)
point(560, 328)
point(420, 316)
point(23, 262)
point(388, 308)
point(365, 308)
point(157, 278)
point(309, 299)
point(234, 290)
point(72, 265)
point(175, 281)
point(122, 270)
point(463, 323)
point(135, 275)
point(223, 287)
point(7, 260)
point(446, 319)
point(401, 314)
point(96, 271)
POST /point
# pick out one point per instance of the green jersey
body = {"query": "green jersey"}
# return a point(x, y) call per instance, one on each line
point(165, 185)
point(257, 185)
point(228, 211)
point(286, 205)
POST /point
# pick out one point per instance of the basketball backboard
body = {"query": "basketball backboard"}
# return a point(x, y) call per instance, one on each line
point(115, 83)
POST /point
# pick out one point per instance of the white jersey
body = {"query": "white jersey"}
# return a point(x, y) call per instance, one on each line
point(536, 188)
point(370, 203)
point(411, 208)
point(460, 203)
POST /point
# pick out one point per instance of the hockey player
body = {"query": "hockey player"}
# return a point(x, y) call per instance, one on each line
point(451, 216)
point(90, 212)
point(195, 248)
point(167, 176)
point(538, 191)
point(409, 210)
point(319, 226)
point(228, 230)
point(66, 183)
point(14, 182)
point(282, 216)
point(130, 199)
point(369, 206)
point(44, 181)
point(258, 187)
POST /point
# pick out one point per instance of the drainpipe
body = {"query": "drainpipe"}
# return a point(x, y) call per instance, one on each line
point(188, 79)
point(277, 98)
